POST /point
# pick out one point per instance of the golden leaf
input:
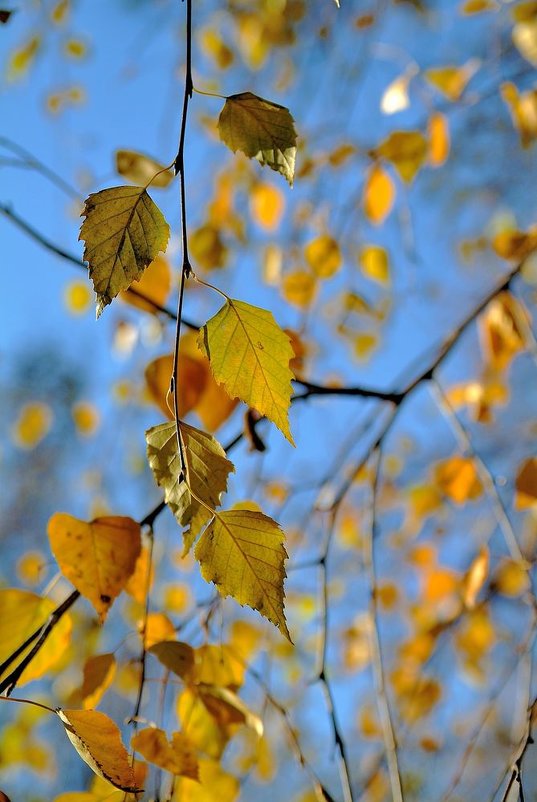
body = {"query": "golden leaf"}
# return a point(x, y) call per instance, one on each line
point(98, 742)
point(141, 169)
point(323, 256)
point(525, 40)
point(207, 247)
point(457, 478)
point(438, 131)
point(512, 578)
point(32, 425)
point(199, 725)
point(123, 232)
point(207, 473)
point(299, 288)
point(214, 784)
point(158, 628)
point(523, 110)
point(249, 354)
point(378, 194)
point(155, 284)
point(177, 757)
point(176, 656)
point(266, 205)
point(451, 81)
point(21, 614)
point(374, 263)
point(242, 552)
point(97, 557)
point(262, 130)
point(99, 672)
point(406, 150)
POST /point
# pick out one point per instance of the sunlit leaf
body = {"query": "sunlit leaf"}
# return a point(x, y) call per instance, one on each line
point(374, 263)
point(137, 583)
point(176, 656)
point(200, 726)
point(98, 742)
point(457, 478)
point(266, 205)
point(502, 328)
point(242, 552)
point(395, 96)
point(512, 578)
point(299, 288)
point(207, 473)
point(33, 424)
point(86, 418)
point(475, 578)
point(249, 354)
point(77, 297)
point(207, 248)
point(155, 628)
point(97, 557)
point(525, 40)
point(378, 194)
point(439, 143)
point(123, 232)
point(21, 614)
point(406, 150)
point(323, 256)
point(451, 81)
point(261, 130)
point(214, 784)
point(140, 169)
point(99, 672)
point(155, 284)
point(22, 59)
point(177, 756)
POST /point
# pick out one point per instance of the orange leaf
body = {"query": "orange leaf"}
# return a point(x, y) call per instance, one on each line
point(97, 557)
point(457, 478)
point(378, 195)
point(526, 484)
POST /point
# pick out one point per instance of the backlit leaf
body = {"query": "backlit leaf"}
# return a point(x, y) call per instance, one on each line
point(249, 354)
point(378, 195)
point(99, 674)
point(207, 473)
point(299, 288)
point(261, 130)
point(155, 284)
point(176, 656)
point(123, 232)
point(98, 742)
point(266, 205)
point(242, 552)
point(323, 256)
point(214, 784)
point(512, 578)
point(97, 557)
point(374, 263)
point(139, 169)
point(200, 726)
point(451, 80)
point(438, 131)
point(525, 40)
point(457, 478)
point(395, 97)
point(207, 247)
point(523, 110)
point(475, 578)
point(177, 756)
point(406, 150)
point(158, 627)
point(32, 425)
point(21, 613)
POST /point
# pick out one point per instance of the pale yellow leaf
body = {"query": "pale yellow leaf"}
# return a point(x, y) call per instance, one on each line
point(207, 473)
point(475, 578)
point(21, 614)
point(242, 552)
point(395, 97)
point(123, 232)
point(77, 297)
point(97, 557)
point(141, 169)
point(215, 784)
point(525, 40)
point(249, 354)
point(97, 740)
point(261, 130)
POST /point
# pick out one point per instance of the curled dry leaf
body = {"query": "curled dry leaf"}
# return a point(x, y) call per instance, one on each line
point(97, 740)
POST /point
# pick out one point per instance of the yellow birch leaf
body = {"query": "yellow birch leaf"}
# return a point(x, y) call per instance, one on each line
point(175, 656)
point(262, 130)
point(137, 584)
point(97, 740)
point(177, 757)
point(30, 567)
point(364, 344)
point(374, 263)
point(199, 725)
point(85, 417)
point(323, 256)
point(32, 425)
point(227, 708)
point(526, 484)
point(525, 40)
point(22, 58)
point(524, 11)
point(158, 628)
point(97, 557)
point(451, 81)
point(214, 784)
point(217, 665)
point(502, 329)
point(60, 11)
point(207, 473)
point(378, 194)
point(406, 150)
point(75, 48)
point(242, 552)
point(155, 284)
point(77, 297)
point(478, 6)
point(99, 672)
point(523, 110)
point(438, 131)
point(21, 614)
point(512, 578)
point(139, 169)
point(123, 232)
point(215, 46)
point(266, 205)
point(158, 375)
point(475, 578)
point(207, 247)
point(249, 354)
point(299, 288)
point(457, 478)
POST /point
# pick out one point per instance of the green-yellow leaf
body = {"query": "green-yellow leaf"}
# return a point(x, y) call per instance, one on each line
point(406, 150)
point(262, 130)
point(123, 232)
point(97, 557)
point(242, 552)
point(249, 354)
point(97, 740)
point(207, 473)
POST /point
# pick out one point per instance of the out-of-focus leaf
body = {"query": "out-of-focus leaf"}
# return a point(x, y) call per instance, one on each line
point(98, 742)
point(457, 478)
point(97, 557)
point(406, 150)
point(214, 784)
point(262, 130)
point(139, 169)
point(374, 263)
point(155, 284)
point(475, 578)
point(177, 756)
point(523, 110)
point(22, 59)
point(526, 484)
point(242, 552)
point(299, 288)
point(323, 256)
point(378, 194)
point(266, 205)
point(451, 81)
point(176, 656)
point(525, 40)
point(438, 131)
point(123, 232)
point(99, 672)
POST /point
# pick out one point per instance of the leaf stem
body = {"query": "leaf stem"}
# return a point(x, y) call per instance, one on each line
point(211, 287)
point(27, 702)
point(209, 94)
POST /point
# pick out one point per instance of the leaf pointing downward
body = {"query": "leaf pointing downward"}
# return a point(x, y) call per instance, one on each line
point(262, 130)
point(123, 232)
point(207, 468)
point(242, 552)
point(250, 355)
